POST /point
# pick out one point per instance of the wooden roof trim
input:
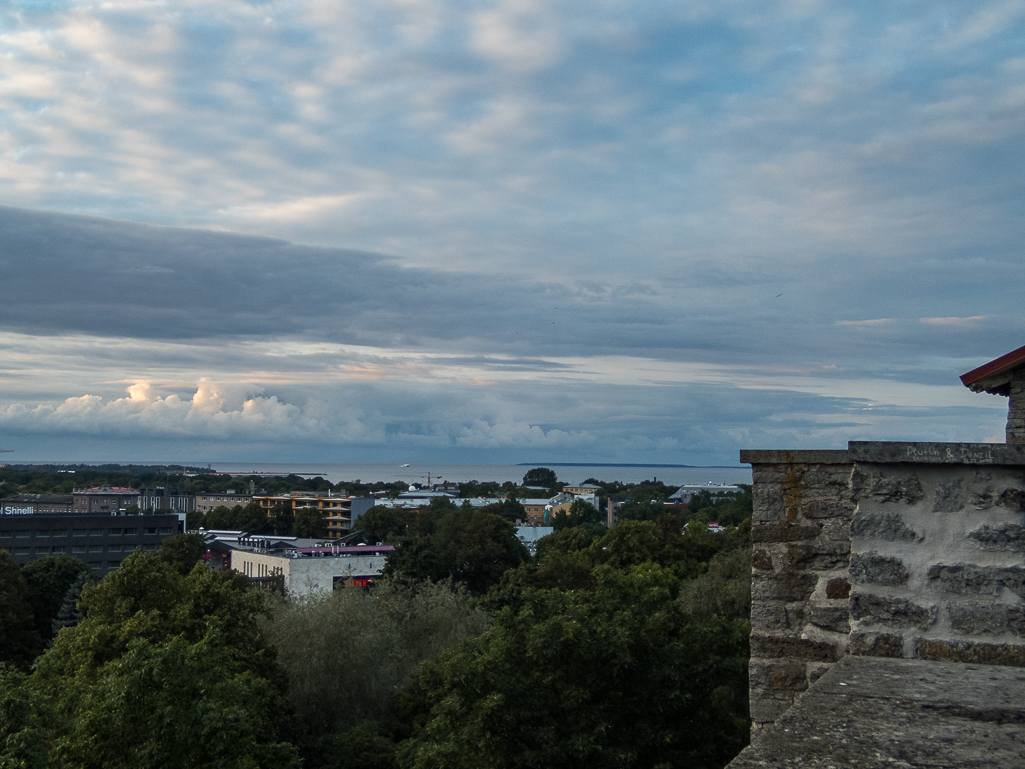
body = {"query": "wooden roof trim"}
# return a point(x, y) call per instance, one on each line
point(997, 366)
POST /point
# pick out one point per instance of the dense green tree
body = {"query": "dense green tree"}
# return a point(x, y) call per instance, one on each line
point(20, 641)
point(47, 581)
point(509, 509)
point(70, 614)
point(540, 476)
point(309, 522)
point(165, 670)
point(472, 548)
point(183, 551)
point(386, 524)
point(615, 677)
point(580, 513)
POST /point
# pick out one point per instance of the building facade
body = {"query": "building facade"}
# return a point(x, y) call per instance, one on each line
point(19, 504)
point(104, 500)
point(102, 541)
point(314, 570)
point(335, 509)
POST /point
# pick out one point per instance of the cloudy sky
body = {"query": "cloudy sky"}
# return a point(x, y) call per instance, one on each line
point(433, 230)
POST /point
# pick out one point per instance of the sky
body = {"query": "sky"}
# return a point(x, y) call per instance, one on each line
point(508, 231)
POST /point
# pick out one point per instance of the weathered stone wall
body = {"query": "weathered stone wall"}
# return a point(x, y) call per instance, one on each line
point(913, 550)
point(1016, 407)
point(938, 552)
point(799, 614)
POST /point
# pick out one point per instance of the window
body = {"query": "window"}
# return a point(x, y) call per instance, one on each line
point(79, 532)
point(114, 532)
point(22, 534)
point(131, 532)
point(7, 534)
point(78, 548)
point(59, 532)
point(165, 530)
point(113, 564)
point(58, 549)
point(42, 533)
point(95, 532)
point(113, 548)
point(19, 551)
point(150, 530)
point(95, 548)
point(95, 564)
point(150, 548)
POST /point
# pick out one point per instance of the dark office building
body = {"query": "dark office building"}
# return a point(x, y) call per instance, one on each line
point(18, 504)
point(102, 541)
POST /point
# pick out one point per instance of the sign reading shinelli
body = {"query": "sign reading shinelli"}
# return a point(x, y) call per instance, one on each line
point(6, 510)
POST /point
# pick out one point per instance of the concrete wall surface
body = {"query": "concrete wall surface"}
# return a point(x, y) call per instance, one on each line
point(907, 714)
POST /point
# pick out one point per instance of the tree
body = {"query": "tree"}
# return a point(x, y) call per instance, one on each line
point(165, 670)
point(19, 639)
point(579, 514)
point(69, 613)
point(309, 522)
point(540, 476)
point(472, 548)
point(47, 582)
point(183, 551)
point(550, 684)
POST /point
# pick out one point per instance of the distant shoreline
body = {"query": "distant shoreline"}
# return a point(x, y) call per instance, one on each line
point(618, 464)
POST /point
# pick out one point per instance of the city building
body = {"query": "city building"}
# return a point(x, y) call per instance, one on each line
point(335, 509)
point(166, 498)
point(583, 488)
point(102, 541)
point(535, 510)
point(104, 499)
point(530, 535)
point(683, 494)
point(305, 566)
point(19, 504)
point(209, 500)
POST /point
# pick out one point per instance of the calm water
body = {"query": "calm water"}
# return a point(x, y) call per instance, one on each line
point(417, 473)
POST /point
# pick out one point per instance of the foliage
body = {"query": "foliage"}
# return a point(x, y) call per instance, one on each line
point(580, 513)
point(348, 653)
point(509, 509)
point(183, 551)
point(728, 509)
point(309, 522)
point(472, 548)
point(69, 613)
point(540, 476)
point(47, 581)
point(165, 670)
point(20, 641)
point(571, 677)
point(724, 590)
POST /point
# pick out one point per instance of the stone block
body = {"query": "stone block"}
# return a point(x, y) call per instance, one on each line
point(777, 615)
point(891, 612)
point(778, 647)
point(876, 645)
point(878, 487)
point(874, 569)
point(837, 589)
point(951, 496)
point(835, 618)
point(1006, 536)
point(886, 526)
point(761, 560)
point(776, 586)
point(979, 618)
point(818, 555)
point(783, 532)
point(970, 652)
point(965, 579)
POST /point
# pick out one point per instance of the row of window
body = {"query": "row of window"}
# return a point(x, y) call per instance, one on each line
point(162, 531)
point(55, 549)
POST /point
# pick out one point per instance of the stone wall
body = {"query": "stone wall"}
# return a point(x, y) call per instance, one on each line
point(913, 550)
point(799, 582)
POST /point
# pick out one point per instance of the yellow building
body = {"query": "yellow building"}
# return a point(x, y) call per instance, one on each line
point(335, 509)
point(584, 488)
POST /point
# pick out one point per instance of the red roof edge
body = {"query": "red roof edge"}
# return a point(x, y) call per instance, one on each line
point(993, 367)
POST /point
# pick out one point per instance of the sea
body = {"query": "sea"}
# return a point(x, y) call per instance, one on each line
point(434, 473)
